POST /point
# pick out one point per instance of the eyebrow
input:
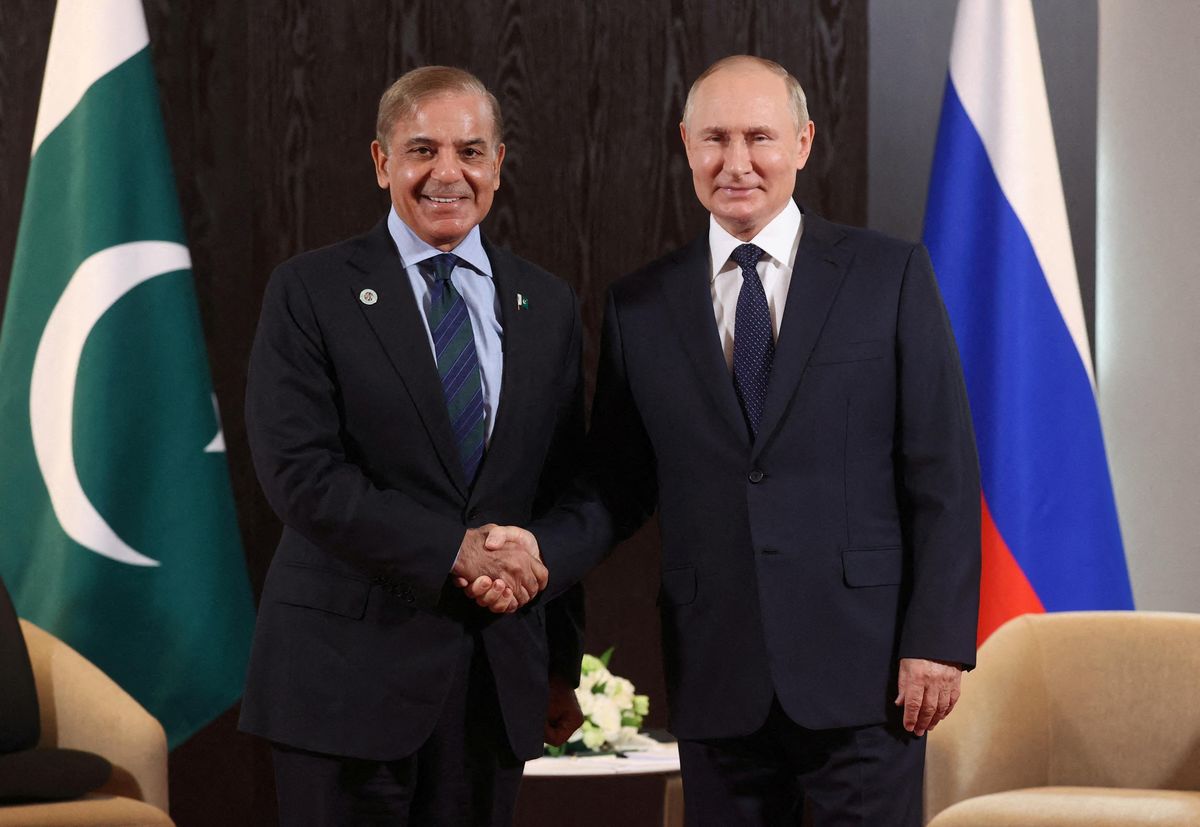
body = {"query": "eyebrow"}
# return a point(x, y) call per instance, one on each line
point(723, 130)
point(422, 140)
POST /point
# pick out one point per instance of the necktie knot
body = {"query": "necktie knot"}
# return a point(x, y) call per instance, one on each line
point(440, 266)
point(746, 256)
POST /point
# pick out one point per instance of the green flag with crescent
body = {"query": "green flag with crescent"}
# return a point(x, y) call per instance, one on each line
point(117, 527)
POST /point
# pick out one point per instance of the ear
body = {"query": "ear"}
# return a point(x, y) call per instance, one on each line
point(683, 136)
point(499, 161)
point(381, 161)
point(804, 144)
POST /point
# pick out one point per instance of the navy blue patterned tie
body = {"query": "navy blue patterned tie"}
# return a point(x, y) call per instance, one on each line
point(753, 341)
point(457, 361)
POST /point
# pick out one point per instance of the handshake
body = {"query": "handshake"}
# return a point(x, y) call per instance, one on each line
point(500, 567)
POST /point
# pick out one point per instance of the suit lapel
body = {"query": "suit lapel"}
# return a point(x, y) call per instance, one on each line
point(400, 328)
point(688, 295)
point(817, 275)
point(520, 343)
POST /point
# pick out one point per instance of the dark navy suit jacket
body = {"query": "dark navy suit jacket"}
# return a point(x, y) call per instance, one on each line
point(359, 627)
point(805, 563)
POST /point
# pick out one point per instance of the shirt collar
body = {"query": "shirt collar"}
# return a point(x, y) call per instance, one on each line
point(777, 239)
point(413, 250)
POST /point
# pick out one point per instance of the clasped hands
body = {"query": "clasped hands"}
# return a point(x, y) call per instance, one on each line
point(500, 567)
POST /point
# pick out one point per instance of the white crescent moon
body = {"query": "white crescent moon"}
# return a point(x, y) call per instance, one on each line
point(100, 281)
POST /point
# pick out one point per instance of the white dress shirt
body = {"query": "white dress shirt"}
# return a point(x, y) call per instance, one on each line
point(779, 240)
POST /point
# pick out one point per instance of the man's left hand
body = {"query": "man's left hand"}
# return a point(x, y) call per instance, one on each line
point(929, 690)
point(563, 715)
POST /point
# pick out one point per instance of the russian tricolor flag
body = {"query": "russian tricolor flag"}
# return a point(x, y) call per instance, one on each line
point(996, 229)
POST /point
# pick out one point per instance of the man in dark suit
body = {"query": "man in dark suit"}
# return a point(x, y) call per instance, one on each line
point(786, 391)
point(407, 387)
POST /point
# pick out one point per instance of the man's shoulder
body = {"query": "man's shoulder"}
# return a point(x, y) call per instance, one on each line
point(502, 257)
point(876, 256)
point(691, 258)
point(530, 274)
point(854, 237)
point(335, 255)
point(322, 268)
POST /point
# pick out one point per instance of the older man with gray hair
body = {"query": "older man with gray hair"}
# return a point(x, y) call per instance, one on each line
point(786, 392)
point(388, 425)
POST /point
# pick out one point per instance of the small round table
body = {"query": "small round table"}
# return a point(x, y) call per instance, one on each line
point(656, 759)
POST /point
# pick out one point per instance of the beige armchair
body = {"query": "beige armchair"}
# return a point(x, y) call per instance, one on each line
point(1078, 718)
point(81, 708)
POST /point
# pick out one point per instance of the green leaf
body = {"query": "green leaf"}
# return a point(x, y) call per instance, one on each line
point(607, 656)
point(590, 664)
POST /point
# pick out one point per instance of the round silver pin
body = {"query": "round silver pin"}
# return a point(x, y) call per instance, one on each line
point(368, 297)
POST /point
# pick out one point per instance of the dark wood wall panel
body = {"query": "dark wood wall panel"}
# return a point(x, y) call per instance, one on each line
point(24, 37)
point(270, 110)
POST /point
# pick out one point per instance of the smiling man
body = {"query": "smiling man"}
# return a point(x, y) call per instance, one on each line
point(786, 392)
point(406, 388)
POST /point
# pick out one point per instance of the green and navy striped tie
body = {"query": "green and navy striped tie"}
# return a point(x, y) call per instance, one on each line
point(457, 361)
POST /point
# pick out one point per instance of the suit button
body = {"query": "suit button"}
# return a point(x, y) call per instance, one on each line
point(756, 476)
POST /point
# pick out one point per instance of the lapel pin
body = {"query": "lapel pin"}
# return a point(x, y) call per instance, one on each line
point(522, 302)
point(368, 297)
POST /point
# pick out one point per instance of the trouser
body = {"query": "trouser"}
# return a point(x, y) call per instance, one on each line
point(865, 776)
point(465, 774)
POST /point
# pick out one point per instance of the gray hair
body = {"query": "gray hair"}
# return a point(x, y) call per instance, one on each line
point(404, 96)
point(796, 99)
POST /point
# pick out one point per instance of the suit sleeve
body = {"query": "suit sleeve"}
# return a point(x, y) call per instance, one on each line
point(618, 490)
point(293, 425)
point(938, 475)
point(565, 613)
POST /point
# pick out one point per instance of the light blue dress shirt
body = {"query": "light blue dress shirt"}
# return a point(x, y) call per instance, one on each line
point(475, 285)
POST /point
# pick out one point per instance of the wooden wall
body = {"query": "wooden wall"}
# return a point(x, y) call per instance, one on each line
point(269, 110)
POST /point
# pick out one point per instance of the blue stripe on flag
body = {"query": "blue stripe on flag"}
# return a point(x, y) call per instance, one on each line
point(1041, 451)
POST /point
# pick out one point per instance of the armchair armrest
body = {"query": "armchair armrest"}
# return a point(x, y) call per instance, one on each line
point(82, 708)
point(998, 735)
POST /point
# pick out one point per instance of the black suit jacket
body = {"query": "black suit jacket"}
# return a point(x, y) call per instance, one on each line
point(806, 562)
point(359, 628)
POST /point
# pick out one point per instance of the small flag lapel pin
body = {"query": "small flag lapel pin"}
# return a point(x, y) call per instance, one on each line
point(522, 302)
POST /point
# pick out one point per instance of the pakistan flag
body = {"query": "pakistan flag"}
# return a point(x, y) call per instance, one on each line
point(117, 528)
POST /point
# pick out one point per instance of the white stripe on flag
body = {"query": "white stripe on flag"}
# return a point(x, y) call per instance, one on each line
point(996, 68)
point(90, 38)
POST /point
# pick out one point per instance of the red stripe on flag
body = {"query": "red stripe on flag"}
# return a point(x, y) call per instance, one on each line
point(1004, 591)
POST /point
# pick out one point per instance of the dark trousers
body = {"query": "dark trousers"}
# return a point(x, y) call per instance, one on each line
point(863, 776)
point(464, 775)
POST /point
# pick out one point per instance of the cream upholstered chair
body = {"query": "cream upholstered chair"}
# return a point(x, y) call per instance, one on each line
point(81, 708)
point(1078, 718)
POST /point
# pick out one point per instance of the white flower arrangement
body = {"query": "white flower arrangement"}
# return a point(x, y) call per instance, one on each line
point(612, 712)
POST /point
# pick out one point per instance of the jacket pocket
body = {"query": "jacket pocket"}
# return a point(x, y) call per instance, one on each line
point(321, 589)
point(873, 566)
point(834, 354)
point(678, 586)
